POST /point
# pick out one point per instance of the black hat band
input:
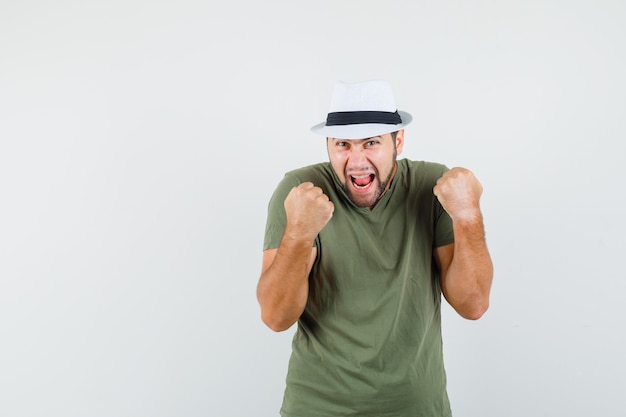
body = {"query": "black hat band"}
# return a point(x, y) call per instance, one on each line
point(342, 118)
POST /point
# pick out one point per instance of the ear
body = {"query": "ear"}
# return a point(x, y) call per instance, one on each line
point(399, 141)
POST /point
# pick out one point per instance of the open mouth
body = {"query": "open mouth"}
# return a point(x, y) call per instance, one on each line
point(362, 182)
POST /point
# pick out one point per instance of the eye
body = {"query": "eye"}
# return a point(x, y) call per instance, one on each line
point(371, 143)
point(342, 143)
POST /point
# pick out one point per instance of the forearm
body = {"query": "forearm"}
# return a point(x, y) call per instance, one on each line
point(468, 278)
point(283, 287)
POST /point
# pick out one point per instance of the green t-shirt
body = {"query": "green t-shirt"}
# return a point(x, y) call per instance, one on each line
point(369, 340)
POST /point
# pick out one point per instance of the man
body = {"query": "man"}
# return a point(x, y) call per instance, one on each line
point(358, 251)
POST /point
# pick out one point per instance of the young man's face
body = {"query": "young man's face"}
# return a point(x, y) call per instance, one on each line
point(365, 166)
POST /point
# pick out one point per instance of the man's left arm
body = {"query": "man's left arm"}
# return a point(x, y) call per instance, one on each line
point(465, 266)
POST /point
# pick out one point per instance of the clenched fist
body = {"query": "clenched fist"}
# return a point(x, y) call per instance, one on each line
point(459, 191)
point(308, 210)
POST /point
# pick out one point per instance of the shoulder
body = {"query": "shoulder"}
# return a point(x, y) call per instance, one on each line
point(319, 174)
point(312, 173)
point(423, 166)
point(421, 172)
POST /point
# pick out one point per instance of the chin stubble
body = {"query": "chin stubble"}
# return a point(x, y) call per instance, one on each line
point(382, 186)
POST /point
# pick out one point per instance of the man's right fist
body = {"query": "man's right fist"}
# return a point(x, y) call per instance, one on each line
point(308, 210)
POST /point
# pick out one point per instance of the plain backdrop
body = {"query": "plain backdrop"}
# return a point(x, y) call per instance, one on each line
point(141, 140)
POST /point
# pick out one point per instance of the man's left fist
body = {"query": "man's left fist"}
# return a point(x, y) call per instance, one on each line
point(459, 191)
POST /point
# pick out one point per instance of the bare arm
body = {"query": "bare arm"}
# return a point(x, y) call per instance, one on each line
point(283, 287)
point(465, 266)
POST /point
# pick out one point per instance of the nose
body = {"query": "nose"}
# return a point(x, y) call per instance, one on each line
point(357, 161)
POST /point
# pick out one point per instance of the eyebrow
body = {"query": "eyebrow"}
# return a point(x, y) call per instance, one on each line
point(356, 140)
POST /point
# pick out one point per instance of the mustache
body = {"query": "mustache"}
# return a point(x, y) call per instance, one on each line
point(361, 171)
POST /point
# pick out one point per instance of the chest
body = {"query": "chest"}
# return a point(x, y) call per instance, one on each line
point(365, 253)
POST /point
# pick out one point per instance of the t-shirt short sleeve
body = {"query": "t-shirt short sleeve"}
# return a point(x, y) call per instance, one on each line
point(276, 216)
point(444, 234)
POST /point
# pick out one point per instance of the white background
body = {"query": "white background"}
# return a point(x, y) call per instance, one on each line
point(140, 142)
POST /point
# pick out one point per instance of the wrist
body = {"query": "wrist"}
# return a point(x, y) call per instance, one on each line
point(297, 237)
point(469, 226)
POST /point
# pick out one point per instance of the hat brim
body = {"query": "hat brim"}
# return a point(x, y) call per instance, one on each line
point(360, 131)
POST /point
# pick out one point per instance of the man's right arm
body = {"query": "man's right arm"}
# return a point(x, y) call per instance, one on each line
point(283, 287)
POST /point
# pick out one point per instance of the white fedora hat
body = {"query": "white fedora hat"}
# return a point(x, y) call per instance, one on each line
point(362, 110)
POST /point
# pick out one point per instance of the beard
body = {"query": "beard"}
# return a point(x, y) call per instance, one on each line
point(380, 188)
